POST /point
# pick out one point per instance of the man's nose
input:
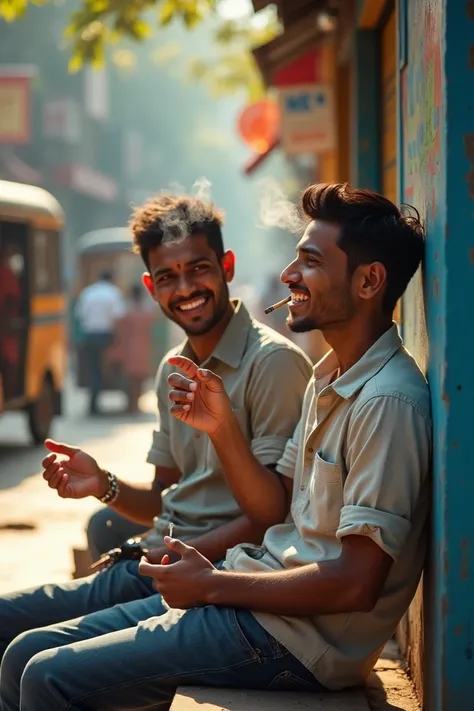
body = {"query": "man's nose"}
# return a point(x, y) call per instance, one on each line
point(291, 274)
point(184, 285)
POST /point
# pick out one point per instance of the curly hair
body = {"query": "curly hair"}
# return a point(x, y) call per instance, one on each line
point(373, 229)
point(168, 218)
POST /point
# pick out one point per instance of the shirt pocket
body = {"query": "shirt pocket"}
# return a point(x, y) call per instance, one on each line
point(326, 495)
point(212, 460)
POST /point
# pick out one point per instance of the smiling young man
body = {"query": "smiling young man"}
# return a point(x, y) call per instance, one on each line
point(188, 273)
point(312, 606)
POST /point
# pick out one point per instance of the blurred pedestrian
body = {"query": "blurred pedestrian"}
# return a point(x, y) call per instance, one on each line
point(98, 308)
point(133, 347)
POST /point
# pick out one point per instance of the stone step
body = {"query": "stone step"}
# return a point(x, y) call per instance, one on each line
point(210, 699)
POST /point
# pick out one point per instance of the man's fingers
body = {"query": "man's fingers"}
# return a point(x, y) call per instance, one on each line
point(47, 461)
point(151, 570)
point(63, 488)
point(61, 448)
point(179, 410)
point(178, 546)
point(175, 380)
point(49, 471)
point(55, 478)
point(186, 364)
point(180, 396)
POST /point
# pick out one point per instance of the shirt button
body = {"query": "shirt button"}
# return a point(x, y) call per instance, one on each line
point(310, 450)
point(302, 487)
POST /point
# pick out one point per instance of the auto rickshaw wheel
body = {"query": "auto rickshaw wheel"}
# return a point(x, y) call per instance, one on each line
point(41, 412)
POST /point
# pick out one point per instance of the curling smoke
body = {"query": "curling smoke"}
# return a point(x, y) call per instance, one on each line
point(276, 210)
point(177, 224)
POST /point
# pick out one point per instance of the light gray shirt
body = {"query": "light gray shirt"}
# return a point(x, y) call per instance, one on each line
point(360, 459)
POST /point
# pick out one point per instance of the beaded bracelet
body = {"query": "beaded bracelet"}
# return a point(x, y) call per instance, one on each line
point(112, 492)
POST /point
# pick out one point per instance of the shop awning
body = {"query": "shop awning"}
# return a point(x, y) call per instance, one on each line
point(303, 31)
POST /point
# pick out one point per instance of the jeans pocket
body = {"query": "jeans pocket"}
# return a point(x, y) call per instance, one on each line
point(262, 644)
point(288, 681)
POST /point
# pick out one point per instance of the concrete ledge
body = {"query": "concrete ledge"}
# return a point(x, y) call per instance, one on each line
point(208, 699)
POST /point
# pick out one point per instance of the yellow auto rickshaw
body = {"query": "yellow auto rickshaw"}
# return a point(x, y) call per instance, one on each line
point(32, 305)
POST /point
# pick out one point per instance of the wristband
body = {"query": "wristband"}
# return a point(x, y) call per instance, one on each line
point(113, 490)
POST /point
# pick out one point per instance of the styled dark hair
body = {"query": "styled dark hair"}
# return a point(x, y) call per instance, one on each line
point(169, 218)
point(373, 229)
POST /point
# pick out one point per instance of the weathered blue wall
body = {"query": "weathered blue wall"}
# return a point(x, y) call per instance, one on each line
point(437, 101)
point(365, 170)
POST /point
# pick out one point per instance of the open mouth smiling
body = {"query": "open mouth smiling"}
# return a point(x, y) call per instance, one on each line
point(298, 298)
point(193, 306)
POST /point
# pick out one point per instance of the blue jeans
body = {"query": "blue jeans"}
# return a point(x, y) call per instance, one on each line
point(132, 655)
point(108, 529)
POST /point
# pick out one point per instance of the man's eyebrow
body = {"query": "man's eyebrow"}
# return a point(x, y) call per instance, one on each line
point(192, 262)
point(310, 249)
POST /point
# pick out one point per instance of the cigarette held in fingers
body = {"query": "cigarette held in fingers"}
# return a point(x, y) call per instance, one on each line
point(170, 532)
point(278, 305)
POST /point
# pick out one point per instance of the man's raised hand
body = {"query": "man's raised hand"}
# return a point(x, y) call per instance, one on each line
point(198, 397)
point(76, 475)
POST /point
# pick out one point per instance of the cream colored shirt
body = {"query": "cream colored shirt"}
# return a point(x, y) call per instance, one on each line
point(250, 358)
point(360, 459)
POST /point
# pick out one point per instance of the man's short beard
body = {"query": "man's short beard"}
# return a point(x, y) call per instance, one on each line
point(304, 326)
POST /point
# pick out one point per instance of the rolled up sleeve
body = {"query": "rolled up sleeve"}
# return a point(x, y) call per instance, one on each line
point(160, 450)
point(388, 459)
point(275, 398)
point(287, 464)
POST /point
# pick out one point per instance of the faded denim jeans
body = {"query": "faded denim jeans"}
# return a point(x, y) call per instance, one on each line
point(131, 655)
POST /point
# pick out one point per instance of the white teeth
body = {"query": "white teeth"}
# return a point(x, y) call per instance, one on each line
point(300, 297)
point(192, 305)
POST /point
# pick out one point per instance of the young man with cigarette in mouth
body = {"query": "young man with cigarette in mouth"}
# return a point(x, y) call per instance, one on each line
point(312, 606)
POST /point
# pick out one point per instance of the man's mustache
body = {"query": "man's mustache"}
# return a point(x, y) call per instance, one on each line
point(298, 287)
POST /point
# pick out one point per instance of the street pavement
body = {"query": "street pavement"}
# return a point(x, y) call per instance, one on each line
point(38, 529)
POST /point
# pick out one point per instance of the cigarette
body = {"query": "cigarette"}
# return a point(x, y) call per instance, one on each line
point(278, 305)
point(170, 532)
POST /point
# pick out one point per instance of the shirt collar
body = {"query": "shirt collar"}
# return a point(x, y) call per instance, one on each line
point(231, 347)
point(366, 367)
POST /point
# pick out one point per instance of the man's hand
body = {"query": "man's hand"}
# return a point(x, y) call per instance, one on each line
point(185, 584)
point(155, 556)
point(77, 476)
point(199, 399)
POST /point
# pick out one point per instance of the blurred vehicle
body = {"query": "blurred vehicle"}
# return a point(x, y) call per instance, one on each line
point(110, 249)
point(32, 305)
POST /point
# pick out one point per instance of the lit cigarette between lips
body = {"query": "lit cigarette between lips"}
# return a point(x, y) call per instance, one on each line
point(278, 305)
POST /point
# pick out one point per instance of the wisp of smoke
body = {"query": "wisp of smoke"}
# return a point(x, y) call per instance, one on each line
point(177, 224)
point(276, 210)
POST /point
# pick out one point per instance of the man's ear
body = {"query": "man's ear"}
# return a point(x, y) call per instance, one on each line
point(372, 279)
point(228, 265)
point(148, 284)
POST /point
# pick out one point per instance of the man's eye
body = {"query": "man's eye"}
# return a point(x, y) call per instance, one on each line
point(199, 267)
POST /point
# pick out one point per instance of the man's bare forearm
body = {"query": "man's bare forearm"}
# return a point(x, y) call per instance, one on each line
point(214, 545)
point(259, 492)
point(309, 590)
point(138, 502)
point(142, 502)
